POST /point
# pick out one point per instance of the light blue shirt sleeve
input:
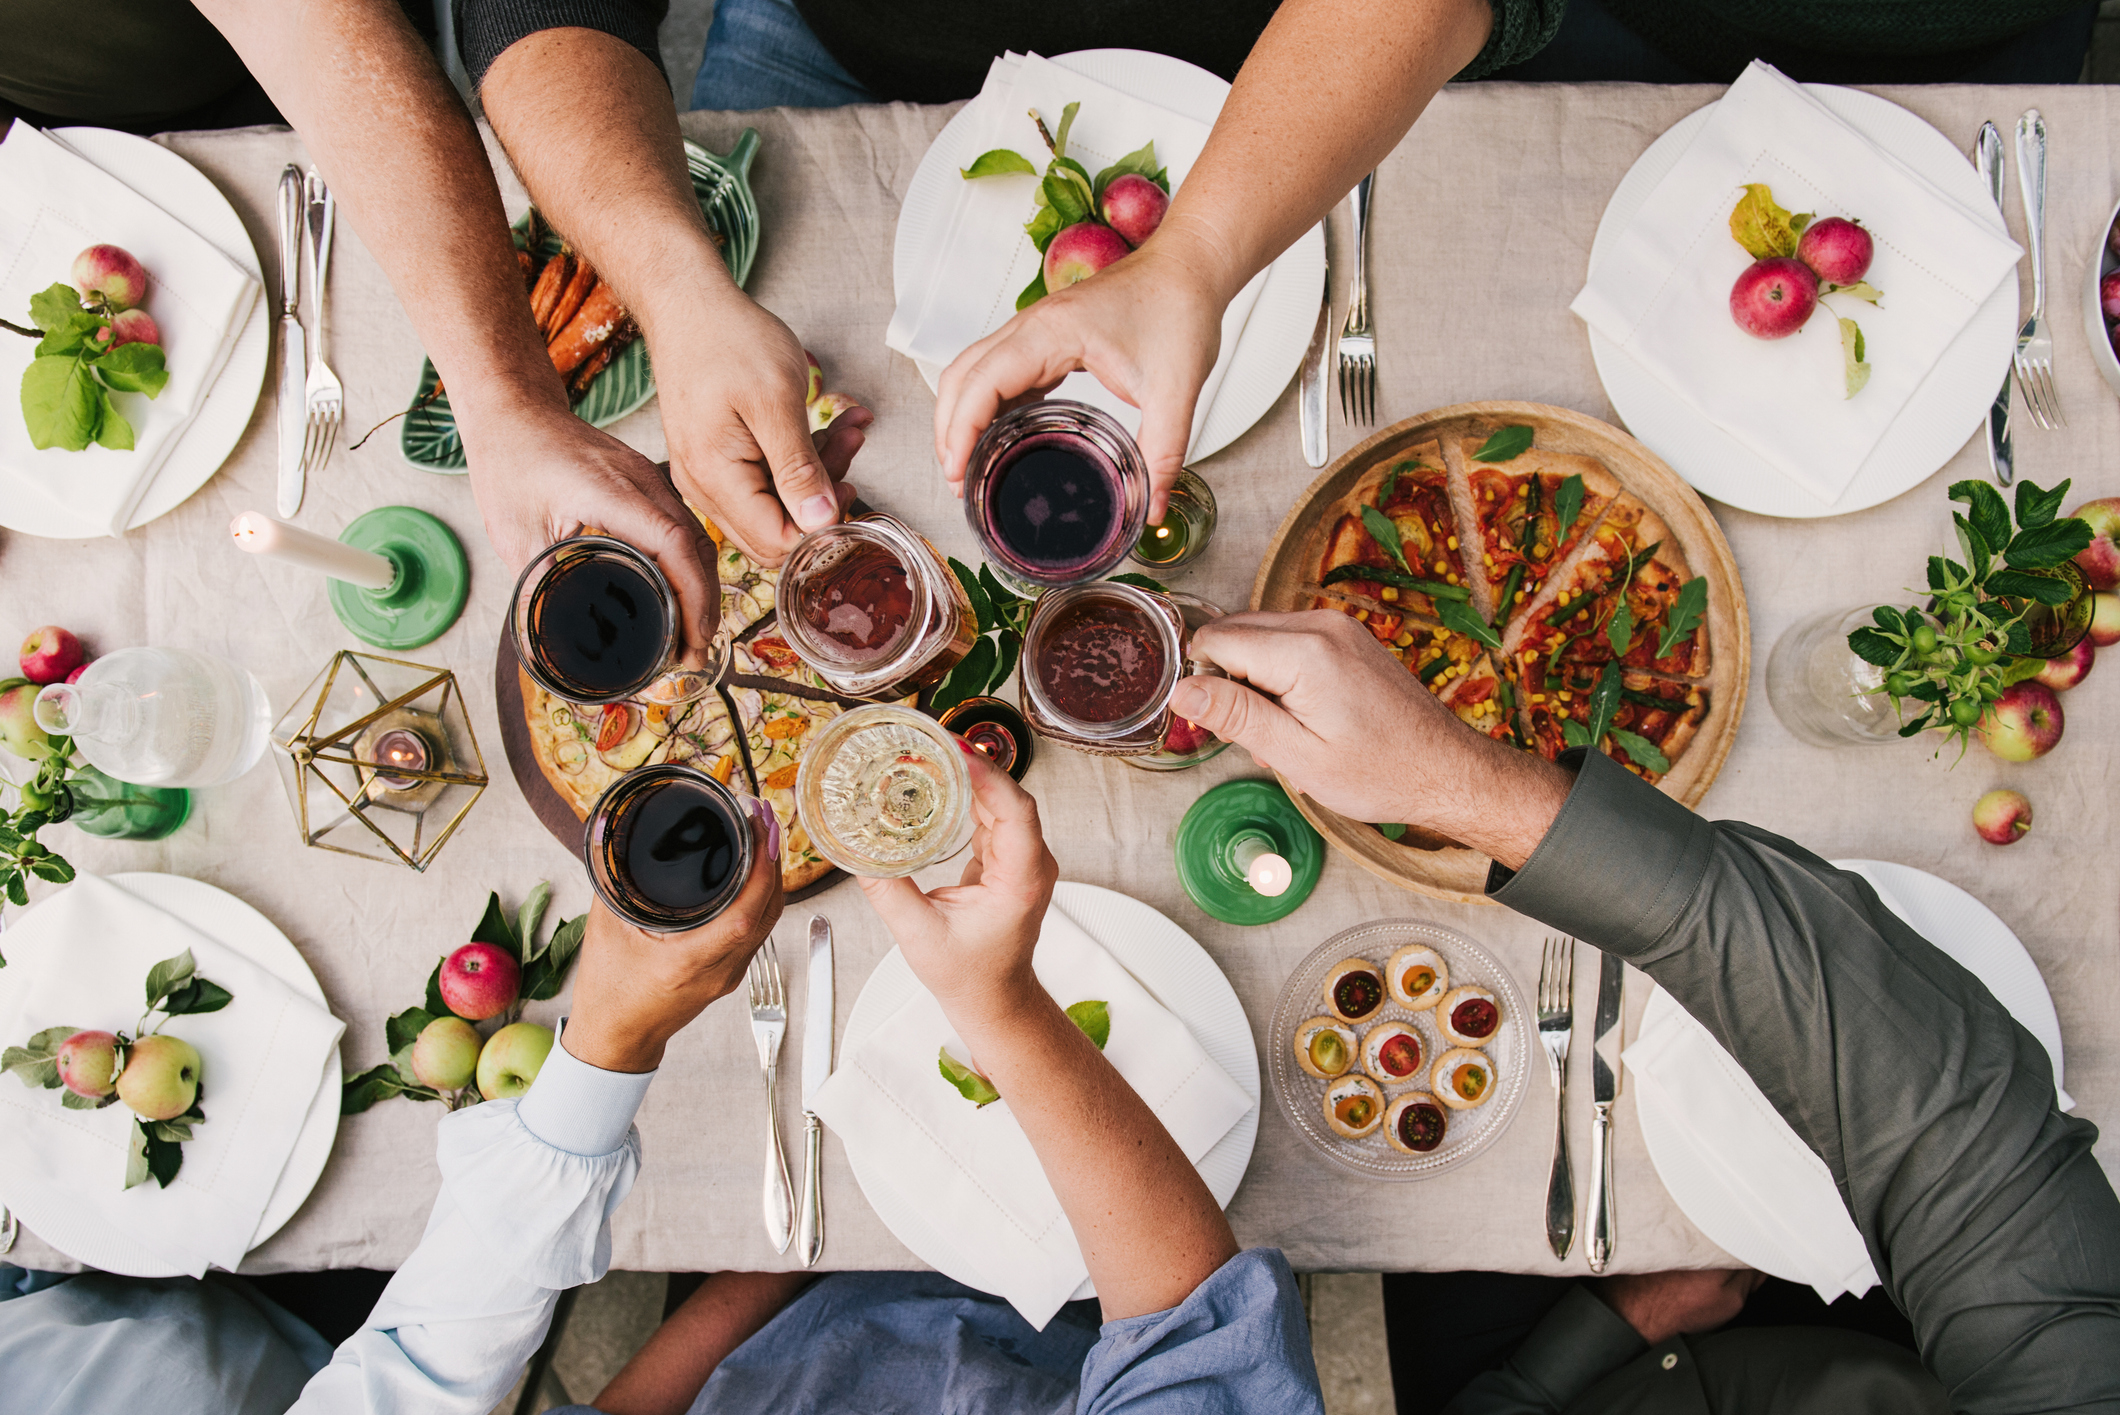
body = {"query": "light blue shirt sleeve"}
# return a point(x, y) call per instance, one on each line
point(1238, 1344)
point(528, 1189)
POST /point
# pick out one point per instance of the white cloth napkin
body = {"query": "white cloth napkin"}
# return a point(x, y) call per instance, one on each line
point(967, 287)
point(1734, 1131)
point(1662, 290)
point(53, 204)
point(80, 959)
point(972, 1167)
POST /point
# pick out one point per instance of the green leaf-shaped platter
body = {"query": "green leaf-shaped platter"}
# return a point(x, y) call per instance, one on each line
point(429, 439)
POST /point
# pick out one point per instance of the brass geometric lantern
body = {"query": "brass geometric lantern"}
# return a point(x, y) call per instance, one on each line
point(379, 759)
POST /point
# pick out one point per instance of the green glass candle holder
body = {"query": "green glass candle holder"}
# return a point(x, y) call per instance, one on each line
point(1231, 836)
point(433, 579)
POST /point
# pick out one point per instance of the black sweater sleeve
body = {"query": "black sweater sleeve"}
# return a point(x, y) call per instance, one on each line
point(486, 27)
point(1521, 29)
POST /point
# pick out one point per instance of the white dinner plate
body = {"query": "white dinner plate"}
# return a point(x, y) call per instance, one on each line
point(1164, 959)
point(1271, 347)
point(1964, 929)
point(219, 915)
point(1948, 407)
point(190, 196)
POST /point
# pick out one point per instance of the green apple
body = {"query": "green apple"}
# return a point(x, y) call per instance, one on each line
point(88, 1064)
point(161, 1077)
point(19, 732)
point(512, 1059)
point(445, 1055)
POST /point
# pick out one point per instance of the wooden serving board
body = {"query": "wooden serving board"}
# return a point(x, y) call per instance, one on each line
point(1291, 561)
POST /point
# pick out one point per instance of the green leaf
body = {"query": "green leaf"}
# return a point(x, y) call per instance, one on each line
point(1068, 200)
point(1009, 644)
point(378, 1083)
point(1005, 600)
point(1641, 751)
point(1604, 702)
point(982, 606)
point(112, 431)
point(1389, 485)
point(1033, 292)
point(1392, 832)
point(401, 1062)
point(1067, 121)
point(1574, 733)
point(1385, 575)
point(71, 337)
point(1861, 290)
point(1141, 162)
point(1043, 225)
point(174, 1131)
point(1686, 612)
point(1135, 577)
point(1914, 728)
point(1986, 509)
point(2036, 508)
point(52, 870)
point(62, 404)
point(998, 162)
point(2018, 584)
point(136, 1170)
point(74, 1100)
point(1974, 545)
point(969, 679)
point(1095, 1020)
point(1506, 444)
point(167, 976)
point(969, 1083)
point(496, 928)
point(1460, 616)
point(530, 917)
point(548, 974)
point(1568, 503)
point(1620, 632)
point(164, 1157)
point(1856, 372)
point(198, 995)
point(17, 891)
point(1761, 225)
point(434, 1003)
point(2043, 547)
point(1939, 574)
point(403, 1029)
point(55, 307)
point(1385, 534)
point(1871, 646)
point(36, 1065)
point(134, 368)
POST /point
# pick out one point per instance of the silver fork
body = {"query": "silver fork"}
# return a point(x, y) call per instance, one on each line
point(1556, 1024)
point(1357, 348)
point(2035, 347)
point(769, 1023)
point(325, 396)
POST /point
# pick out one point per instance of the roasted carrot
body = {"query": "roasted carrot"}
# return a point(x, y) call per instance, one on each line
point(545, 294)
point(522, 258)
point(625, 334)
point(588, 331)
point(577, 288)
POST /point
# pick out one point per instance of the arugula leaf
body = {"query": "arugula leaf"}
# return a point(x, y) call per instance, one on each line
point(1067, 120)
point(1574, 733)
point(1986, 509)
point(1460, 616)
point(403, 1029)
point(1392, 831)
point(1567, 505)
point(1641, 751)
point(1135, 577)
point(1762, 226)
point(1094, 1019)
point(999, 162)
point(1386, 534)
point(1852, 367)
point(1385, 575)
point(1871, 646)
point(976, 593)
point(1620, 631)
point(969, 1083)
point(2036, 508)
point(1389, 485)
point(1604, 701)
point(1141, 162)
point(969, 679)
point(1685, 615)
point(1505, 444)
point(1033, 292)
point(2043, 547)
point(62, 404)
point(134, 368)
point(167, 976)
point(197, 996)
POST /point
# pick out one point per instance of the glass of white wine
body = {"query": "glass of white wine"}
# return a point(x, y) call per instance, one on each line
point(884, 791)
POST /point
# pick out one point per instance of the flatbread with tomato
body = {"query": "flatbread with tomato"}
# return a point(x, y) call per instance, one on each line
point(1400, 522)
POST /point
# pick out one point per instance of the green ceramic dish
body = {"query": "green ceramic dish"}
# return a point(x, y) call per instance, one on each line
point(429, 439)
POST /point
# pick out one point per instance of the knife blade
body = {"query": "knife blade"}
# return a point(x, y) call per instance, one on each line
point(2002, 454)
point(1310, 389)
point(816, 1070)
point(1604, 1082)
point(294, 356)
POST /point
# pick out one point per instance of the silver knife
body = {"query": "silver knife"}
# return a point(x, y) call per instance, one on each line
point(1310, 388)
point(294, 358)
point(2002, 454)
point(816, 1069)
point(1604, 1224)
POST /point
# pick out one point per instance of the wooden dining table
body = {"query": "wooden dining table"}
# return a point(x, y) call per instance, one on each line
point(1481, 228)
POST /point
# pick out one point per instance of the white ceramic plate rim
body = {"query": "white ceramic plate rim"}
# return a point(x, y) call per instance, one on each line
point(1271, 348)
point(189, 195)
point(1164, 959)
point(220, 915)
point(1948, 407)
point(1974, 937)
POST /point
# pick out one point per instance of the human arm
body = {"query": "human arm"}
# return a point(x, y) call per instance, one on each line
point(529, 1186)
point(407, 168)
point(1986, 1214)
point(588, 123)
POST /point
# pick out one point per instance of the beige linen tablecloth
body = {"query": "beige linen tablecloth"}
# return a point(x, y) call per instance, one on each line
point(1482, 225)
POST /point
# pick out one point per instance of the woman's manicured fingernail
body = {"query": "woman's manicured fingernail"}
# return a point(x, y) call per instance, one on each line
point(820, 510)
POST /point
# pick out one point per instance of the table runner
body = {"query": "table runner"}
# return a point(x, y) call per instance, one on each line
point(1482, 226)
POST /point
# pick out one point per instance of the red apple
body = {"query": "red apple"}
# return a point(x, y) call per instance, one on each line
point(110, 276)
point(1134, 206)
point(49, 654)
point(2025, 722)
point(2100, 560)
point(827, 406)
point(1839, 250)
point(1080, 251)
point(2105, 620)
point(2109, 295)
point(88, 1064)
point(479, 980)
point(2069, 669)
point(2002, 817)
point(1772, 299)
point(129, 327)
point(1185, 737)
point(75, 676)
point(816, 378)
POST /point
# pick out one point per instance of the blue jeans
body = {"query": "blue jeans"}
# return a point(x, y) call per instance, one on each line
point(761, 54)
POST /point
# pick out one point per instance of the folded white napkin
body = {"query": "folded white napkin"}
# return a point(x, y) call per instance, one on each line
point(1734, 1131)
point(80, 959)
point(967, 287)
point(53, 204)
point(1662, 290)
point(972, 1167)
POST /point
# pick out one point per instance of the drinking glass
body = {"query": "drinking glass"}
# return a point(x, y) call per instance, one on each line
point(1822, 692)
point(1113, 487)
point(546, 595)
point(884, 791)
point(613, 841)
point(119, 810)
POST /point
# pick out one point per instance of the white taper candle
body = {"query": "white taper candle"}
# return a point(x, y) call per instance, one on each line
point(262, 535)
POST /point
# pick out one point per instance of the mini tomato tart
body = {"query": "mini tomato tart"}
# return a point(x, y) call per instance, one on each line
point(1354, 989)
point(1325, 1048)
point(1392, 1053)
point(1417, 977)
point(1414, 1123)
point(1354, 1107)
point(1468, 1016)
point(1463, 1078)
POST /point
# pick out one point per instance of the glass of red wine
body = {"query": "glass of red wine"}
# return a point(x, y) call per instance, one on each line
point(594, 621)
point(668, 847)
point(873, 607)
point(1057, 493)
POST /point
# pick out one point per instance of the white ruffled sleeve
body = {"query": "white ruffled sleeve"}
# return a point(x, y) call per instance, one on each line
point(528, 1189)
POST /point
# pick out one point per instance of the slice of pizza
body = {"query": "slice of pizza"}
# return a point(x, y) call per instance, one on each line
point(1629, 595)
point(1399, 526)
point(1482, 698)
point(1532, 511)
point(776, 727)
point(1652, 724)
point(766, 654)
point(581, 749)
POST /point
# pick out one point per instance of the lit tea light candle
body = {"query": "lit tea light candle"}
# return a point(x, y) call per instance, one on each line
point(1266, 872)
point(276, 540)
point(992, 741)
point(394, 747)
point(1164, 541)
point(402, 749)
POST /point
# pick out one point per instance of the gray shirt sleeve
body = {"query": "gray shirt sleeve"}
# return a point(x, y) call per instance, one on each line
point(1990, 1222)
point(484, 28)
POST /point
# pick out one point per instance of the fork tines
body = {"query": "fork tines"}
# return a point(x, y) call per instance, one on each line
point(1556, 983)
point(1358, 378)
point(763, 977)
point(2035, 376)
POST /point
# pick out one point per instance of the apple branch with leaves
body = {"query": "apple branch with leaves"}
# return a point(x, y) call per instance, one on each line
point(76, 367)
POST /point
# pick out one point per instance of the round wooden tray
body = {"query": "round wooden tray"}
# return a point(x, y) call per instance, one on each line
point(1460, 874)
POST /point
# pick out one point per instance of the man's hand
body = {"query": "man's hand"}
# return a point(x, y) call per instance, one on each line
point(1663, 1305)
point(635, 990)
point(1331, 710)
point(971, 943)
point(1148, 327)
